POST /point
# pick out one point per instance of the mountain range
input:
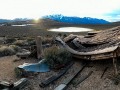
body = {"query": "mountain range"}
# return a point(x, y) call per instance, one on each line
point(76, 20)
point(13, 20)
point(61, 18)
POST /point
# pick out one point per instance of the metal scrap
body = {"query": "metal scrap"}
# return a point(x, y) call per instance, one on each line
point(35, 67)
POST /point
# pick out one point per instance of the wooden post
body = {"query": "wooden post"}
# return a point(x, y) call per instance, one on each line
point(39, 47)
point(115, 63)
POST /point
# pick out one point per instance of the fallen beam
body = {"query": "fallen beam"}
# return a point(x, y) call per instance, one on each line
point(66, 82)
point(19, 85)
point(95, 52)
point(4, 84)
point(104, 72)
point(55, 77)
point(83, 78)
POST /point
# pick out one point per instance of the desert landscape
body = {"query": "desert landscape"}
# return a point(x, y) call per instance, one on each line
point(18, 37)
point(59, 45)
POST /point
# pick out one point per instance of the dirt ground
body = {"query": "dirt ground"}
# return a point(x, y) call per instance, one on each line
point(94, 82)
point(7, 66)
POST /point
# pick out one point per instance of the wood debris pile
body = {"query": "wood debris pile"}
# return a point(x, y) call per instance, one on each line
point(100, 40)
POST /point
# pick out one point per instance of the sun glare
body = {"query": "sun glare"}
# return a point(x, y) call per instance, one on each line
point(36, 20)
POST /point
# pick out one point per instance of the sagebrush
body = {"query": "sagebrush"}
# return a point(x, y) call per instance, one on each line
point(55, 56)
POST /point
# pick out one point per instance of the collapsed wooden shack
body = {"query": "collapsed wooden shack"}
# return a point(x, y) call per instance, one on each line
point(94, 46)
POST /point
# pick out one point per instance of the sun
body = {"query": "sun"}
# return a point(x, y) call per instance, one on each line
point(36, 20)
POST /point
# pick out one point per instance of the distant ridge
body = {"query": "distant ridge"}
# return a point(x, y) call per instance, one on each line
point(4, 20)
point(76, 20)
point(61, 18)
point(13, 20)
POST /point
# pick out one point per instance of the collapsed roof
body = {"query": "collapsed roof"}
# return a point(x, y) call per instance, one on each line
point(102, 42)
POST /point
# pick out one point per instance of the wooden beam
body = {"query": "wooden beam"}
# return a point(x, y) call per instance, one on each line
point(67, 81)
point(55, 77)
point(83, 78)
point(115, 63)
point(39, 46)
point(95, 52)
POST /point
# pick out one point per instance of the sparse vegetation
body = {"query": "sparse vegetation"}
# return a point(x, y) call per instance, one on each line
point(55, 56)
point(5, 51)
point(16, 48)
point(20, 42)
point(18, 72)
point(10, 40)
point(9, 50)
point(30, 41)
point(46, 40)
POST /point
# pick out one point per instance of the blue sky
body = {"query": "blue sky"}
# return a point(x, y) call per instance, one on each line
point(114, 15)
point(104, 9)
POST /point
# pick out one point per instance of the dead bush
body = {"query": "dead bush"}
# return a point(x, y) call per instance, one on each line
point(9, 50)
point(16, 48)
point(10, 40)
point(5, 51)
point(46, 40)
point(56, 57)
point(20, 42)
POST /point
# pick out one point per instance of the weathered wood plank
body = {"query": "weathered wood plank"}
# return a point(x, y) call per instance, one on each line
point(19, 85)
point(39, 46)
point(55, 77)
point(104, 72)
point(100, 51)
point(115, 63)
point(64, 84)
point(83, 78)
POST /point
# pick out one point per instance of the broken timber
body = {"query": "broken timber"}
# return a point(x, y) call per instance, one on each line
point(98, 47)
point(39, 47)
point(95, 52)
point(115, 56)
point(65, 83)
point(83, 78)
point(19, 85)
point(54, 78)
point(104, 71)
point(98, 54)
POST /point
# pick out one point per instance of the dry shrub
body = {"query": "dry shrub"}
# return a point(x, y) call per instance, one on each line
point(20, 42)
point(10, 40)
point(31, 41)
point(46, 40)
point(28, 41)
point(5, 51)
point(55, 56)
point(16, 48)
point(18, 72)
point(8, 50)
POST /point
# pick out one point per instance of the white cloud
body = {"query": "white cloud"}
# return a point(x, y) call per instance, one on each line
point(38, 8)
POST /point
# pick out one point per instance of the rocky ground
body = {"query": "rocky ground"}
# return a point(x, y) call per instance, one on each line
point(94, 82)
